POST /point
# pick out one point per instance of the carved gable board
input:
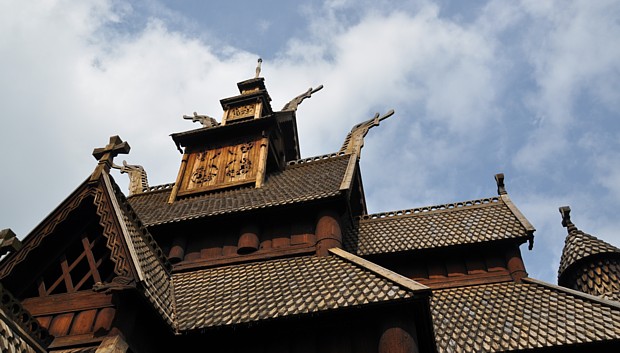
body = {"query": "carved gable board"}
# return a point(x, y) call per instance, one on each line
point(220, 166)
point(82, 243)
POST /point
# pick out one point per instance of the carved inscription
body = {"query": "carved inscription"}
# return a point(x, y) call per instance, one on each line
point(241, 112)
point(221, 166)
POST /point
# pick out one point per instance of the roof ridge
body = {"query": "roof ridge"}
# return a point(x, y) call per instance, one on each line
point(316, 158)
point(159, 187)
point(434, 208)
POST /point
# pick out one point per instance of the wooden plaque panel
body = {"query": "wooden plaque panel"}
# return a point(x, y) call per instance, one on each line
point(241, 112)
point(223, 166)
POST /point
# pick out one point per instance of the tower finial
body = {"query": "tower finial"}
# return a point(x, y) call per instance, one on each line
point(499, 180)
point(258, 67)
point(566, 222)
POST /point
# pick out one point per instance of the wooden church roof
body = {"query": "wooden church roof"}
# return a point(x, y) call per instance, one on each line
point(301, 181)
point(468, 222)
point(579, 245)
point(509, 314)
point(274, 289)
point(512, 316)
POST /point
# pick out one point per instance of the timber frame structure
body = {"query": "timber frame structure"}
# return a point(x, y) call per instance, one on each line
point(254, 249)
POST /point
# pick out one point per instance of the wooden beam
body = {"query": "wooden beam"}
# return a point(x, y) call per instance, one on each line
point(60, 303)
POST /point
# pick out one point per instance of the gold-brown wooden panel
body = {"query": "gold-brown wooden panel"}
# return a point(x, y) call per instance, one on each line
point(222, 166)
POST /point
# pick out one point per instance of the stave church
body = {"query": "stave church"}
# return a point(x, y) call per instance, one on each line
point(255, 249)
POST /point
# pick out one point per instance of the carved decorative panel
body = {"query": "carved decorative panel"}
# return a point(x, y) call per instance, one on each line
point(221, 166)
point(241, 112)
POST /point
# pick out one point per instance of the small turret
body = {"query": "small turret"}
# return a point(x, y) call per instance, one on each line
point(588, 264)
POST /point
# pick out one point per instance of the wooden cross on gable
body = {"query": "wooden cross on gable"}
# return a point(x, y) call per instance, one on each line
point(106, 155)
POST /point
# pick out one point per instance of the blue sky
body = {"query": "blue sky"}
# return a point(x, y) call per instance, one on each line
point(525, 88)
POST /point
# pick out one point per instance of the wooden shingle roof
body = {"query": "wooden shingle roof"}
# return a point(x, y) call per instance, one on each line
point(468, 222)
point(579, 245)
point(301, 181)
point(511, 316)
point(273, 289)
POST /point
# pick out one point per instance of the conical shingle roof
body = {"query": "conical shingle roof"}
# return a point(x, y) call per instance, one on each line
point(579, 245)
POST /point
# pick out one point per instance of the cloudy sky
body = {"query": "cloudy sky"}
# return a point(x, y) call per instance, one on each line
point(525, 88)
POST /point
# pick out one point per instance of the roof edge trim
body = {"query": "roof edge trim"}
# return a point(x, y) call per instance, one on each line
point(347, 179)
point(611, 303)
point(526, 224)
point(485, 202)
point(403, 281)
point(316, 158)
point(118, 212)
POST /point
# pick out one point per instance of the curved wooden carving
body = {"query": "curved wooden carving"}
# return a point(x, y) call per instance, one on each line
point(111, 230)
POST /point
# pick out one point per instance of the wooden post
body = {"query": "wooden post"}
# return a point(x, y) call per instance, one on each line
point(398, 336)
point(177, 185)
point(262, 162)
point(248, 240)
point(177, 250)
point(515, 264)
point(328, 232)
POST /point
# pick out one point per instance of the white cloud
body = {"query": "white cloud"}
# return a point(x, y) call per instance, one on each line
point(572, 47)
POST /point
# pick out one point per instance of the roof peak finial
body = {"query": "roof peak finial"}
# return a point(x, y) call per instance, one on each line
point(105, 156)
point(260, 61)
point(354, 141)
point(566, 222)
point(499, 180)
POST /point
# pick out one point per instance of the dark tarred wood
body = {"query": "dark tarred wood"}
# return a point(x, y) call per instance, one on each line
point(297, 239)
point(194, 263)
point(177, 250)
point(210, 253)
point(455, 267)
point(496, 262)
point(229, 250)
point(436, 269)
point(475, 265)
